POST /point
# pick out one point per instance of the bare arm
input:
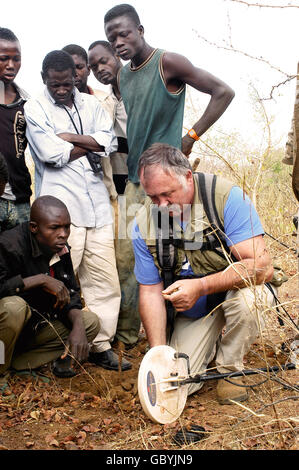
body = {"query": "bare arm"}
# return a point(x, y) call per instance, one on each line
point(153, 313)
point(77, 343)
point(253, 268)
point(179, 70)
point(85, 141)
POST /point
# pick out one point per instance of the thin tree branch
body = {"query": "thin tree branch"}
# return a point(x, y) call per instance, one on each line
point(232, 49)
point(260, 5)
point(277, 86)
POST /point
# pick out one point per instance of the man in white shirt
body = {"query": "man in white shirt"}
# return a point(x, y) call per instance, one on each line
point(106, 65)
point(67, 131)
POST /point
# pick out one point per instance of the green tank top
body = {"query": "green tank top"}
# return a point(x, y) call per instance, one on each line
point(154, 114)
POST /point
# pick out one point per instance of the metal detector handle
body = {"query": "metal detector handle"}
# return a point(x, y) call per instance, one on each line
point(179, 355)
point(204, 378)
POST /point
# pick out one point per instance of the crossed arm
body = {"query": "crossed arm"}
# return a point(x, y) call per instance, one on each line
point(58, 148)
point(253, 268)
point(82, 144)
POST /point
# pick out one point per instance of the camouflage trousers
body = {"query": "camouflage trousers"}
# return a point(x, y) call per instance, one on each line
point(12, 214)
point(129, 320)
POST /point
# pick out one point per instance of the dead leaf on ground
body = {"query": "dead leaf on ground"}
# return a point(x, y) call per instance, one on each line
point(81, 437)
point(35, 415)
point(29, 444)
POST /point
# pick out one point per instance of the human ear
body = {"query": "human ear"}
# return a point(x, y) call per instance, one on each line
point(43, 77)
point(33, 227)
point(141, 30)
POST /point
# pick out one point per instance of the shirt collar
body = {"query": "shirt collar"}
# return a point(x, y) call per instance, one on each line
point(23, 94)
point(37, 251)
point(78, 98)
point(56, 258)
point(112, 94)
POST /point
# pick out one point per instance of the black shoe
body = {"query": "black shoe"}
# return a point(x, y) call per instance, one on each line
point(185, 436)
point(109, 360)
point(62, 368)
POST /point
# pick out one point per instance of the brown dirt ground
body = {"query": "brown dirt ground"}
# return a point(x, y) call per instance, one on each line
point(100, 410)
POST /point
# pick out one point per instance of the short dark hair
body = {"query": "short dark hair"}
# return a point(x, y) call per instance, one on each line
point(59, 61)
point(8, 35)
point(104, 44)
point(42, 203)
point(122, 10)
point(74, 49)
point(3, 170)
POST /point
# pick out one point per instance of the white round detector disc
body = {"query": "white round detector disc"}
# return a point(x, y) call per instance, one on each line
point(161, 395)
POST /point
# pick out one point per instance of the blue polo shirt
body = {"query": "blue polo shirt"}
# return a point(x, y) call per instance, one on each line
point(241, 222)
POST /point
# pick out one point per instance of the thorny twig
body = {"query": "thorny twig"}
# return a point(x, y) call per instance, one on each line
point(230, 48)
point(260, 5)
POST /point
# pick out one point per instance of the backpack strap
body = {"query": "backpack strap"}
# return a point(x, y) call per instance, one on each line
point(206, 192)
point(167, 258)
point(216, 239)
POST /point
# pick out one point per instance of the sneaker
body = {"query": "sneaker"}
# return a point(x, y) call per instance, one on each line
point(226, 391)
point(108, 360)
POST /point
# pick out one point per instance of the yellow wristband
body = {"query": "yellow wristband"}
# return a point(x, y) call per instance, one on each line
point(193, 134)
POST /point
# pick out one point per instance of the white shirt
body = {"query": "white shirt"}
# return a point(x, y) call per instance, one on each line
point(74, 183)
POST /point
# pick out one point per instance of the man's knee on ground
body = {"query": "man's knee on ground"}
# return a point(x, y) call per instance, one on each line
point(14, 313)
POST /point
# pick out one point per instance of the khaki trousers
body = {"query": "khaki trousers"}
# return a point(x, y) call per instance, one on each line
point(129, 320)
point(242, 314)
point(27, 348)
point(93, 257)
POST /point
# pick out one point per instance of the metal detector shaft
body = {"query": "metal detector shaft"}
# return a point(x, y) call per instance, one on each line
point(204, 378)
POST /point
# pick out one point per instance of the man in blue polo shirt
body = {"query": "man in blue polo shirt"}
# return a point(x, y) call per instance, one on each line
point(229, 289)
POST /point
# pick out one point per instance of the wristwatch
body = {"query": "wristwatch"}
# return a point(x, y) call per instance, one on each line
point(193, 134)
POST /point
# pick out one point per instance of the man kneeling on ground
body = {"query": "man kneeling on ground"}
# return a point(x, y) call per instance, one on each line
point(41, 317)
point(223, 288)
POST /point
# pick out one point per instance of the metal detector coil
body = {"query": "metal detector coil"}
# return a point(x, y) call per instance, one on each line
point(164, 376)
point(161, 396)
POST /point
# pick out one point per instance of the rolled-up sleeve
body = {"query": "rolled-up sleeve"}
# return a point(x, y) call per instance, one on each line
point(43, 141)
point(104, 134)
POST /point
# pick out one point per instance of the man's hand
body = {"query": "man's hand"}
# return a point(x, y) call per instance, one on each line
point(77, 343)
point(187, 144)
point(58, 289)
point(184, 293)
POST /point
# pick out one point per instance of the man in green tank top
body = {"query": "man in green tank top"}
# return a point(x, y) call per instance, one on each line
point(153, 87)
point(171, 73)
